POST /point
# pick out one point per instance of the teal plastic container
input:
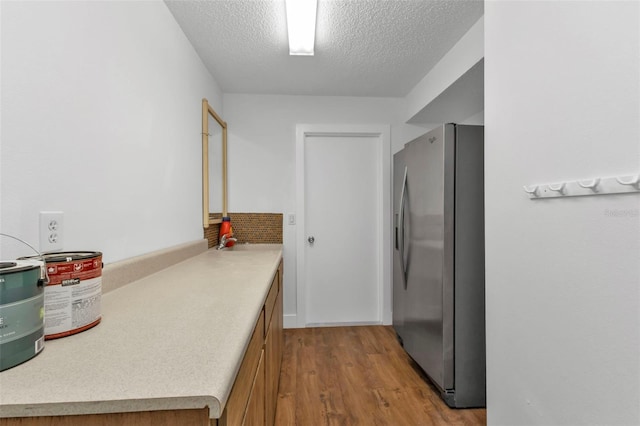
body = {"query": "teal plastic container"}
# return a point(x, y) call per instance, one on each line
point(21, 312)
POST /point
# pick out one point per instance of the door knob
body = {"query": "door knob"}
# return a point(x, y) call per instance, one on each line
point(311, 240)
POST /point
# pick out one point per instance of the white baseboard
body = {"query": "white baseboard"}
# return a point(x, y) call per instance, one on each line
point(343, 324)
point(290, 321)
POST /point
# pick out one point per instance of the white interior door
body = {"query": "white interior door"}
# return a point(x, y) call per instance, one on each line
point(342, 237)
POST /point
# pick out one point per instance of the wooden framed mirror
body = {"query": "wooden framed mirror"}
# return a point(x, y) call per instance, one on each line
point(214, 165)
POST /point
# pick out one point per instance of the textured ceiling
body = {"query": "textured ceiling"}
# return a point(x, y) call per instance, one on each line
point(363, 47)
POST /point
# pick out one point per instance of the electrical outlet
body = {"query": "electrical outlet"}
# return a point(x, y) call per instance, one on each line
point(292, 218)
point(51, 231)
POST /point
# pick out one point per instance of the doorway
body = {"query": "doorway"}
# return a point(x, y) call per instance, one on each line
point(344, 225)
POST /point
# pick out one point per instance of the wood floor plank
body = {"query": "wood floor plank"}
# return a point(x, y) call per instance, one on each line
point(347, 376)
point(286, 404)
point(308, 392)
point(333, 408)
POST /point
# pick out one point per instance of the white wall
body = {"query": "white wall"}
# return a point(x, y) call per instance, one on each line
point(101, 118)
point(262, 168)
point(466, 53)
point(477, 119)
point(452, 91)
point(563, 275)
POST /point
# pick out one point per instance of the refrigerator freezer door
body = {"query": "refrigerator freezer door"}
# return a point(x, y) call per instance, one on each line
point(427, 315)
point(402, 228)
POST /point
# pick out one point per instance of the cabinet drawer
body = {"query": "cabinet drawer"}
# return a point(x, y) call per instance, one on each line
point(271, 301)
point(237, 403)
point(254, 416)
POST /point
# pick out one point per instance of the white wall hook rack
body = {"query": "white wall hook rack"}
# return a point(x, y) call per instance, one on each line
point(633, 181)
point(531, 190)
point(557, 187)
point(594, 186)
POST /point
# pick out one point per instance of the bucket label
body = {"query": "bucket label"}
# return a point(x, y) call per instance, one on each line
point(69, 307)
point(39, 345)
point(73, 272)
point(21, 318)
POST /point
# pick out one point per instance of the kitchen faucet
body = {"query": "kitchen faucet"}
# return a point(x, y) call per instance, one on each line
point(224, 240)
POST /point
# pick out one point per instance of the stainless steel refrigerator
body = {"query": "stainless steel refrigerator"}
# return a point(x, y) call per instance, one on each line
point(438, 270)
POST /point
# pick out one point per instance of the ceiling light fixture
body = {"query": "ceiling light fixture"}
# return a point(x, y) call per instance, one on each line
point(301, 26)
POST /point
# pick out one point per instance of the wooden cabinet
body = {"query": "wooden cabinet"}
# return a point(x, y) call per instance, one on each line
point(255, 392)
point(273, 350)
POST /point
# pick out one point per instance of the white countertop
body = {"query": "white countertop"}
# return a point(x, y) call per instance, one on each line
point(172, 340)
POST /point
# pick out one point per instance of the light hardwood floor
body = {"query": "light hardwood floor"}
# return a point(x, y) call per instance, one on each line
point(358, 376)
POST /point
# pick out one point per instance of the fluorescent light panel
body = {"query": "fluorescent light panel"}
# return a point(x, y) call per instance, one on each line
point(301, 25)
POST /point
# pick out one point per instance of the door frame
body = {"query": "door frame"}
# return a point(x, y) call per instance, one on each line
point(382, 133)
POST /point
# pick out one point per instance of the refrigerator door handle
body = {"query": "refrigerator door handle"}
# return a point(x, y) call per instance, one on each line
point(404, 188)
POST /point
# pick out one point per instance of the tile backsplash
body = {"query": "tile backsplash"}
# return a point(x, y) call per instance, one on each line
point(253, 228)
